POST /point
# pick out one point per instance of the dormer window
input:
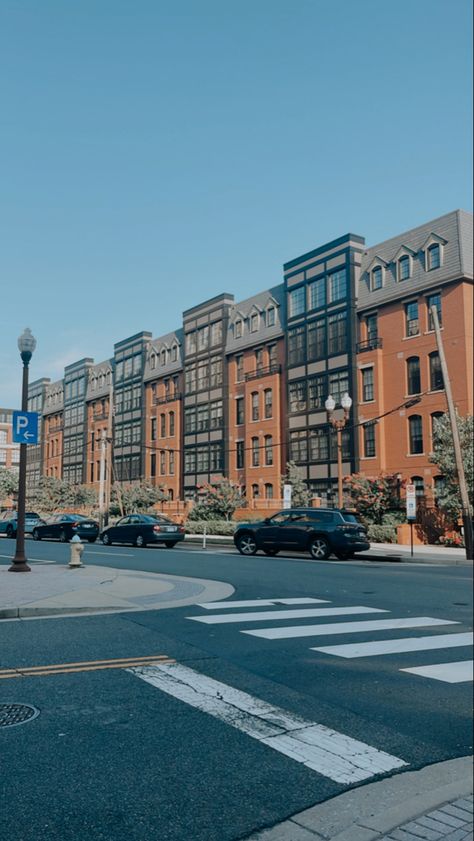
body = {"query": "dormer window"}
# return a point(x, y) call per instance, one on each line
point(434, 256)
point(404, 267)
point(254, 322)
point(238, 329)
point(152, 361)
point(163, 357)
point(271, 316)
point(377, 278)
point(174, 353)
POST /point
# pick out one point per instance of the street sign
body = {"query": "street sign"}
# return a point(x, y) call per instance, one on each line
point(411, 502)
point(25, 427)
point(287, 489)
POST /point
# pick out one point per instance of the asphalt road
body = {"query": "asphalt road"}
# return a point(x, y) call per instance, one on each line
point(114, 757)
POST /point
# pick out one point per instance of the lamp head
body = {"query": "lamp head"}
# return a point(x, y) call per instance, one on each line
point(330, 404)
point(346, 402)
point(26, 345)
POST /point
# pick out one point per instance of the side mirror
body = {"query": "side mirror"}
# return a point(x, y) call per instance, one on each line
point(267, 520)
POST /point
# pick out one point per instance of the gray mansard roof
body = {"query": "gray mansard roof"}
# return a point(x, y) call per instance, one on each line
point(154, 368)
point(259, 304)
point(99, 381)
point(54, 398)
point(454, 232)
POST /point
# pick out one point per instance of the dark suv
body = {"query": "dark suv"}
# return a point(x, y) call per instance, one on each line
point(319, 531)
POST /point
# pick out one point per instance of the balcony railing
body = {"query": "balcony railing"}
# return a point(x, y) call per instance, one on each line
point(369, 344)
point(168, 398)
point(263, 372)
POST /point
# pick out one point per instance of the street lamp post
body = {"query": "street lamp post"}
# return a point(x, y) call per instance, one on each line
point(338, 425)
point(26, 346)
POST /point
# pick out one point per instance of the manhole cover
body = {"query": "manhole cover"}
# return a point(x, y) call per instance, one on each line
point(13, 714)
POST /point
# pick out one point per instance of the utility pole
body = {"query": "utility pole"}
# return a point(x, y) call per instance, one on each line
point(103, 456)
point(466, 507)
point(108, 470)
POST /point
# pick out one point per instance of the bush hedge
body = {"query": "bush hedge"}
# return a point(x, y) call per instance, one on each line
point(221, 527)
point(382, 534)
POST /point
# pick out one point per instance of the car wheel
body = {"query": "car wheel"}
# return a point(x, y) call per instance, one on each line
point(36, 534)
point(247, 545)
point(140, 541)
point(171, 544)
point(319, 549)
point(10, 532)
point(271, 552)
point(106, 540)
point(63, 537)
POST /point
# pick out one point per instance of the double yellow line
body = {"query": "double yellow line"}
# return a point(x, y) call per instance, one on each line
point(85, 666)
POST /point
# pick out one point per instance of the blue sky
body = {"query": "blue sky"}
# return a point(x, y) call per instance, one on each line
point(155, 154)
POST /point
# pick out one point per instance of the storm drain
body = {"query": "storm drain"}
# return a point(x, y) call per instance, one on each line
point(13, 714)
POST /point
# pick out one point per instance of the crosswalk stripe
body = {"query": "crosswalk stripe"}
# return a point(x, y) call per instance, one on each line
point(330, 753)
point(459, 672)
point(347, 627)
point(371, 649)
point(313, 613)
point(259, 603)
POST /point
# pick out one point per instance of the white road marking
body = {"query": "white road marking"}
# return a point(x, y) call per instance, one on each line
point(267, 615)
point(459, 672)
point(332, 754)
point(371, 649)
point(347, 627)
point(38, 560)
point(106, 552)
point(259, 603)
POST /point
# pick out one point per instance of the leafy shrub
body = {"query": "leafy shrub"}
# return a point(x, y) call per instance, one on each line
point(382, 534)
point(218, 527)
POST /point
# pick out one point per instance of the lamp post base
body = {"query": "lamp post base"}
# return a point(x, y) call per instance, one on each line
point(19, 565)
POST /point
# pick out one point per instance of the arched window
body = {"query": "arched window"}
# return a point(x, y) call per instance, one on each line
point(162, 426)
point(435, 418)
point(436, 374)
point(377, 278)
point(162, 462)
point(268, 450)
point(404, 267)
point(255, 453)
point(268, 402)
point(153, 361)
point(434, 256)
point(415, 426)
point(171, 423)
point(419, 484)
point(163, 357)
point(413, 375)
point(255, 491)
point(268, 491)
point(255, 412)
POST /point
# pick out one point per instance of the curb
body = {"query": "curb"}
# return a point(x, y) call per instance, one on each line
point(373, 810)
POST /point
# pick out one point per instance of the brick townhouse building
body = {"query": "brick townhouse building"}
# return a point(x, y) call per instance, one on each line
point(240, 387)
point(9, 452)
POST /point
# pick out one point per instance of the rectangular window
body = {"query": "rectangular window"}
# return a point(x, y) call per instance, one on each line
point(268, 403)
point(369, 440)
point(371, 327)
point(296, 301)
point(255, 453)
point(413, 375)
point(270, 316)
point(202, 376)
point(162, 426)
point(268, 450)
point(367, 384)
point(203, 418)
point(318, 445)
point(338, 384)
point(216, 415)
point(216, 458)
point(259, 359)
point(297, 396)
point(216, 372)
point(298, 446)
point(216, 333)
point(255, 406)
point(317, 293)
point(434, 301)
point(162, 462)
point(239, 411)
point(436, 374)
point(415, 427)
point(272, 354)
point(190, 379)
point(239, 368)
point(412, 324)
point(189, 420)
point(296, 346)
point(317, 339)
point(238, 329)
point(191, 342)
point(153, 465)
point(189, 461)
point(171, 462)
point(337, 333)
point(254, 322)
point(337, 286)
point(240, 455)
point(316, 392)
point(202, 459)
point(153, 429)
point(203, 338)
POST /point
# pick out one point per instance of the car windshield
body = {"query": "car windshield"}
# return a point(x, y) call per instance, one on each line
point(152, 518)
point(31, 514)
point(74, 517)
point(350, 518)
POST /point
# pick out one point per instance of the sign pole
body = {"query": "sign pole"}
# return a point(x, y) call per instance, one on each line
point(411, 538)
point(19, 561)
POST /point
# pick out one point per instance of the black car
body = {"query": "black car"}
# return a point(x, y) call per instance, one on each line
point(142, 529)
point(63, 527)
point(319, 531)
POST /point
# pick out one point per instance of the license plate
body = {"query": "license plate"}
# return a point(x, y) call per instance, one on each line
point(86, 526)
point(169, 528)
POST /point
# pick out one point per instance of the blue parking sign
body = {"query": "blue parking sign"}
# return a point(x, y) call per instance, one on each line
point(25, 427)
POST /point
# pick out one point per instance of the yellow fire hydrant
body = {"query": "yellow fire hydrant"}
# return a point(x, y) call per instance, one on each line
point(77, 549)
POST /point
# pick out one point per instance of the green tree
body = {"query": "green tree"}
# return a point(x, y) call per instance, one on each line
point(219, 501)
point(8, 483)
point(51, 494)
point(140, 496)
point(447, 492)
point(300, 494)
point(376, 500)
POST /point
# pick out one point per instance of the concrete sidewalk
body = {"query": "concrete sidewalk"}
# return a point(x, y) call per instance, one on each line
point(53, 590)
point(434, 804)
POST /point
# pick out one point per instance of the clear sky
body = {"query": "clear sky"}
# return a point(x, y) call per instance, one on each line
point(154, 154)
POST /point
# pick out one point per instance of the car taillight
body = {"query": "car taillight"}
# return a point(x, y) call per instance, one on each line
point(180, 528)
point(346, 528)
point(156, 528)
point(75, 525)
